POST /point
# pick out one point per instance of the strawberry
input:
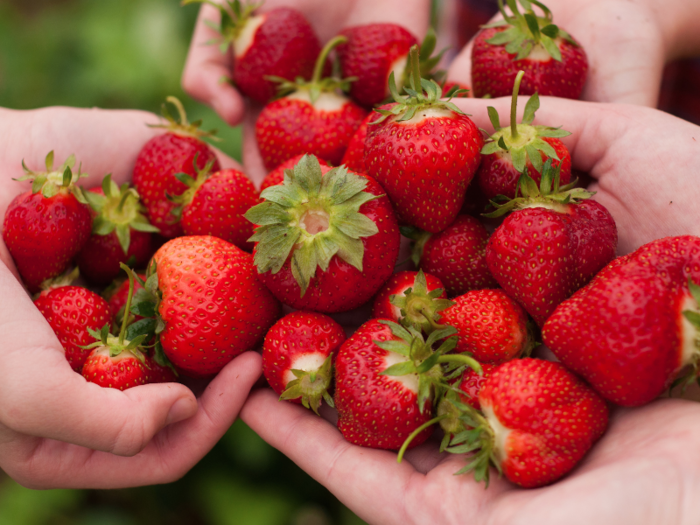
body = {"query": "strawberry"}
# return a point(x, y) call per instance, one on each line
point(354, 157)
point(324, 242)
point(312, 118)
point(424, 152)
point(471, 384)
point(46, 227)
point(157, 373)
point(633, 329)
point(276, 176)
point(298, 357)
point(120, 233)
point(179, 150)
point(512, 150)
point(456, 255)
point(455, 89)
point(554, 242)
point(491, 326)
point(278, 43)
point(71, 311)
point(412, 299)
point(214, 204)
point(554, 63)
point(116, 295)
point(538, 422)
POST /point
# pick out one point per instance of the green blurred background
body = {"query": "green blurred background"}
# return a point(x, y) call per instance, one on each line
point(129, 54)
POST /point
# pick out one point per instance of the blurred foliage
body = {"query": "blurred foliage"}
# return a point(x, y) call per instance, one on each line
point(130, 54)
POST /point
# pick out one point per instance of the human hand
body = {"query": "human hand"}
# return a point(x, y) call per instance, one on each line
point(56, 429)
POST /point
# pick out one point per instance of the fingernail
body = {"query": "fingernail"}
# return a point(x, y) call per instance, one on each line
point(182, 409)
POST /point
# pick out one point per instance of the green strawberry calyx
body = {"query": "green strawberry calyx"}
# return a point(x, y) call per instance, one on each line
point(179, 124)
point(234, 17)
point(420, 308)
point(311, 218)
point(523, 141)
point(193, 184)
point(691, 359)
point(427, 62)
point(547, 195)
point(54, 181)
point(118, 210)
point(311, 386)
point(526, 31)
point(65, 279)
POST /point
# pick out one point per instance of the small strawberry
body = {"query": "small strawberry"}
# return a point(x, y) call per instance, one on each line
point(491, 326)
point(552, 244)
point(116, 295)
point(179, 150)
point(71, 311)
point(214, 204)
point(298, 357)
point(554, 63)
point(120, 233)
point(276, 176)
point(46, 227)
point(456, 255)
point(424, 152)
point(278, 43)
point(454, 89)
point(312, 118)
point(157, 373)
point(538, 422)
point(471, 384)
point(635, 327)
point(512, 150)
point(324, 242)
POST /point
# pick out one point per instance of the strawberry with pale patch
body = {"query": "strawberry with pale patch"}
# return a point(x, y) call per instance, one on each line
point(298, 357)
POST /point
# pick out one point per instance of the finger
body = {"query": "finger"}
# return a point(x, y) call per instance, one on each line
point(166, 458)
point(207, 73)
point(254, 165)
point(460, 69)
point(414, 15)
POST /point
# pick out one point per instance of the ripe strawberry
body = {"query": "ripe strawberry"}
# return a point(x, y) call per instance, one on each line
point(551, 245)
point(324, 242)
point(312, 118)
point(116, 295)
point(179, 150)
point(46, 227)
point(538, 422)
point(71, 311)
point(354, 158)
point(157, 373)
point(214, 204)
point(276, 176)
point(554, 63)
point(633, 328)
point(491, 326)
point(412, 299)
point(512, 150)
point(278, 43)
point(424, 152)
point(458, 89)
point(456, 255)
point(471, 384)
point(120, 233)
point(298, 357)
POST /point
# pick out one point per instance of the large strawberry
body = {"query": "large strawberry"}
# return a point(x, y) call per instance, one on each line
point(278, 43)
point(538, 422)
point(554, 63)
point(313, 117)
point(424, 152)
point(120, 233)
point(634, 327)
point(552, 244)
point(324, 242)
point(46, 227)
point(179, 150)
point(519, 147)
point(298, 357)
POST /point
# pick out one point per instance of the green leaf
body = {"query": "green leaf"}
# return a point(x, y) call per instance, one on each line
point(398, 330)
point(304, 265)
point(545, 148)
point(528, 187)
point(123, 232)
point(267, 213)
point(519, 159)
point(535, 157)
point(544, 131)
point(551, 48)
point(48, 162)
point(400, 369)
point(352, 251)
point(533, 25)
point(355, 226)
point(490, 148)
point(144, 308)
point(551, 31)
point(533, 104)
point(494, 118)
point(694, 290)
point(397, 347)
point(101, 226)
point(693, 317)
point(504, 37)
point(142, 225)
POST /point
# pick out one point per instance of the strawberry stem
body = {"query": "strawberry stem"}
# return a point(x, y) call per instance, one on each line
point(415, 69)
point(514, 105)
point(321, 60)
point(180, 109)
point(417, 431)
point(127, 307)
point(463, 359)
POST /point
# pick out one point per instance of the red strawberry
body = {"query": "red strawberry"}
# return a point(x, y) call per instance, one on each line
point(314, 118)
point(297, 357)
point(633, 328)
point(278, 43)
point(491, 326)
point(554, 63)
point(459, 90)
point(456, 255)
point(157, 373)
point(472, 383)
point(47, 226)
point(117, 294)
point(179, 150)
point(324, 242)
point(424, 152)
point(71, 311)
point(354, 158)
point(512, 150)
point(214, 204)
point(120, 233)
point(552, 245)
point(212, 306)
point(276, 176)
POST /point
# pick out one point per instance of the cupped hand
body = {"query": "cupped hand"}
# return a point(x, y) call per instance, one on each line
point(57, 429)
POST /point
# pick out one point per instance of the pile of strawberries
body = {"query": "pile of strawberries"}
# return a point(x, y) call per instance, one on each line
point(447, 345)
